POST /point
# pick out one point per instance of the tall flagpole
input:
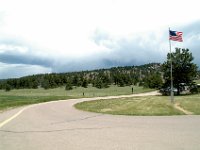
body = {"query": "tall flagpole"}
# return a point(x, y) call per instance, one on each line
point(171, 77)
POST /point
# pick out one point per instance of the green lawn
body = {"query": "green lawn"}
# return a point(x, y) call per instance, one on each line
point(21, 97)
point(111, 91)
point(148, 106)
point(10, 101)
point(15, 98)
point(190, 103)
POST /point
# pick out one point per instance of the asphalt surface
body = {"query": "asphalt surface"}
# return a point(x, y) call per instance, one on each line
point(59, 126)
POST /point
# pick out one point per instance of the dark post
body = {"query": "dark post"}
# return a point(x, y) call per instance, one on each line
point(132, 90)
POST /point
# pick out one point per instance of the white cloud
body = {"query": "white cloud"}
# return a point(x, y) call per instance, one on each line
point(64, 27)
point(19, 70)
point(71, 30)
point(7, 47)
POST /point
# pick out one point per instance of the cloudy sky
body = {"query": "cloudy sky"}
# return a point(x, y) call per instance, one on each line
point(42, 36)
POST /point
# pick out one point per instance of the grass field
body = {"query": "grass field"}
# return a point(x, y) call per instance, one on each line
point(21, 97)
point(148, 106)
point(111, 91)
point(190, 103)
point(10, 101)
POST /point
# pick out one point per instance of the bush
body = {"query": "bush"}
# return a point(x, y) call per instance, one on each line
point(8, 88)
point(85, 84)
point(68, 86)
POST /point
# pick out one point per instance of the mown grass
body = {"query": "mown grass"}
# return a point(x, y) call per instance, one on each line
point(190, 103)
point(78, 91)
point(111, 91)
point(9, 101)
point(15, 98)
point(142, 106)
point(21, 97)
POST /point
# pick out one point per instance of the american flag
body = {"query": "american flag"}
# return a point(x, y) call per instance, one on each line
point(175, 36)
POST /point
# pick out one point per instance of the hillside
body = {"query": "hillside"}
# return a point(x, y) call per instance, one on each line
point(101, 78)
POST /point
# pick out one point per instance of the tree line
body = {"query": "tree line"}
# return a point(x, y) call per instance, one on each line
point(148, 75)
point(153, 75)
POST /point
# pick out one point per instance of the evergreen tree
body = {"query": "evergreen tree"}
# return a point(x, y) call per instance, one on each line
point(68, 86)
point(153, 80)
point(8, 87)
point(84, 83)
point(184, 70)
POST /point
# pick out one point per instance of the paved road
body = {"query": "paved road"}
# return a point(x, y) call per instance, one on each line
point(58, 126)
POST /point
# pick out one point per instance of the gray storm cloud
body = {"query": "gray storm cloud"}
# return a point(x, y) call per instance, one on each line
point(134, 49)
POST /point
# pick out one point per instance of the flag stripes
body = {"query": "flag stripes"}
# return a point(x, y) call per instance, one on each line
point(175, 36)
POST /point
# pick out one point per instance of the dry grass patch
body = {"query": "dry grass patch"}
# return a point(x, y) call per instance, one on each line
point(139, 106)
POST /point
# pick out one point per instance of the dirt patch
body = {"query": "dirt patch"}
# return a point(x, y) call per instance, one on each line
point(177, 106)
point(106, 109)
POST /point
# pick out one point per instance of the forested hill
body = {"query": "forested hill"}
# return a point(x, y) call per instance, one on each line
point(101, 78)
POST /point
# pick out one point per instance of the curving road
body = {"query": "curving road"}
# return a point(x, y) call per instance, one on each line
point(59, 126)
